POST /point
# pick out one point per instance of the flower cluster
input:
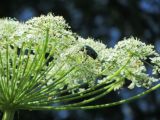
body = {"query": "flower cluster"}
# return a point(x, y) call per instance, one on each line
point(156, 62)
point(42, 59)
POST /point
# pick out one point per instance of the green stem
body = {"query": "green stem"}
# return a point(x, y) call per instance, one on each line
point(121, 101)
point(8, 115)
point(94, 106)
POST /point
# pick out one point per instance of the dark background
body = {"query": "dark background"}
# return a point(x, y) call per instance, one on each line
point(109, 21)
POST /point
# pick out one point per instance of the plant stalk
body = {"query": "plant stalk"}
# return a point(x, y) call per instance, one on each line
point(8, 115)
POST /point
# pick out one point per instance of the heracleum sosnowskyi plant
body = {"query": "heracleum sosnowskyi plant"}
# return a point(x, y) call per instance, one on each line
point(44, 66)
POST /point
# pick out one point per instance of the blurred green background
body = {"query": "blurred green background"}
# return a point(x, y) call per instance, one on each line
point(108, 21)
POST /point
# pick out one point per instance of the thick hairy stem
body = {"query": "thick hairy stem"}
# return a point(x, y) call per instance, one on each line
point(8, 115)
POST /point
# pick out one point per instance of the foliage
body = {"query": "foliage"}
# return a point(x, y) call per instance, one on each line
point(43, 64)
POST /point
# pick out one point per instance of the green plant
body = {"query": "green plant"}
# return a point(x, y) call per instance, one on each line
point(42, 64)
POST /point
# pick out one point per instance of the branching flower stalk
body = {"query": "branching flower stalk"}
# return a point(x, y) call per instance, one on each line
point(45, 66)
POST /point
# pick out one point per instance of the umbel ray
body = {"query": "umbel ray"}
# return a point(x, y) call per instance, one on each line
point(45, 66)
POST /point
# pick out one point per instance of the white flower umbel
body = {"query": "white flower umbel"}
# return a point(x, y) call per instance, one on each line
point(42, 64)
